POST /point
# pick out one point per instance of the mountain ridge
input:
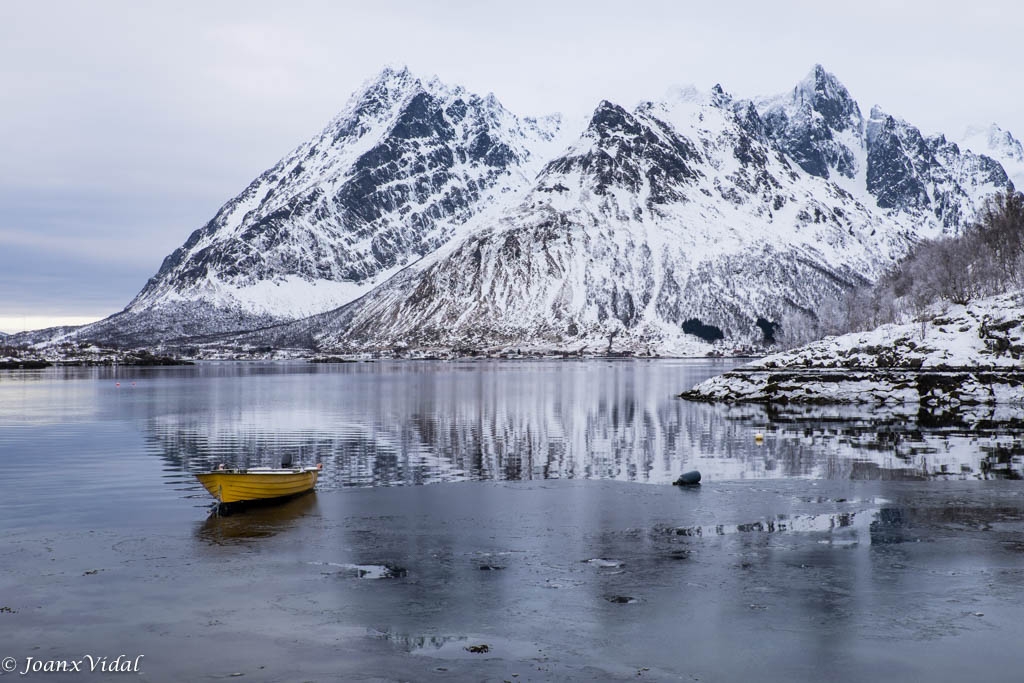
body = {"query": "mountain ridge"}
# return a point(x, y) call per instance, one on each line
point(630, 169)
point(424, 215)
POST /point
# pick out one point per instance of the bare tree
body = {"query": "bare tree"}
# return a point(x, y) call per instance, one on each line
point(987, 258)
point(1001, 230)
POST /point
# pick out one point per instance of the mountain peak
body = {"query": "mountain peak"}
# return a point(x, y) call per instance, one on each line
point(393, 70)
point(608, 115)
point(826, 95)
point(719, 97)
point(805, 122)
point(389, 78)
point(994, 140)
point(820, 81)
point(820, 77)
point(380, 93)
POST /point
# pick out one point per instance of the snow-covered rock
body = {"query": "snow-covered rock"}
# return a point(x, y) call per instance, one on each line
point(966, 355)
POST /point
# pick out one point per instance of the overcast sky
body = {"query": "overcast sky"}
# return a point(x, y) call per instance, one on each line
point(125, 125)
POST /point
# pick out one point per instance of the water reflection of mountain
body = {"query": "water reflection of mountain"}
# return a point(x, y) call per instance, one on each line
point(386, 424)
point(877, 442)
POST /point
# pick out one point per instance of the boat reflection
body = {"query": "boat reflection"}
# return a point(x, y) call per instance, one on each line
point(256, 522)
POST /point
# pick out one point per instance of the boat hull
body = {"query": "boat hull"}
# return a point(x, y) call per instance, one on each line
point(229, 486)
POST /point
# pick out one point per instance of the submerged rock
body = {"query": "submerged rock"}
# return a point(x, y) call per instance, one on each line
point(688, 479)
point(621, 599)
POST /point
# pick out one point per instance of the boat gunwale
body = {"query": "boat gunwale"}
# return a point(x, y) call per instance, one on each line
point(256, 471)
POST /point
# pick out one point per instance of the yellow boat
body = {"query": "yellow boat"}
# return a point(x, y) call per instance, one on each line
point(258, 483)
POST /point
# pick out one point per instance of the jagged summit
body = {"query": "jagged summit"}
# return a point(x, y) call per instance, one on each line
point(818, 124)
point(822, 92)
point(882, 161)
point(622, 150)
point(995, 138)
point(380, 92)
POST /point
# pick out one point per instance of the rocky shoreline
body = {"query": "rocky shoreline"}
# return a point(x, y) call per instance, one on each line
point(15, 358)
point(965, 355)
point(885, 386)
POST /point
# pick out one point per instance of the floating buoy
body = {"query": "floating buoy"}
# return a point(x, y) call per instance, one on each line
point(759, 437)
point(117, 384)
point(688, 479)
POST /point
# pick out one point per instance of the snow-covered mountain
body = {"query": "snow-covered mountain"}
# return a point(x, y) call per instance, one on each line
point(437, 219)
point(883, 161)
point(390, 179)
point(670, 214)
point(1000, 145)
point(680, 222)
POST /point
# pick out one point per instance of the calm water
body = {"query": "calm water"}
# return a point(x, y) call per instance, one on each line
point(135, 435)
point(848, 544)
